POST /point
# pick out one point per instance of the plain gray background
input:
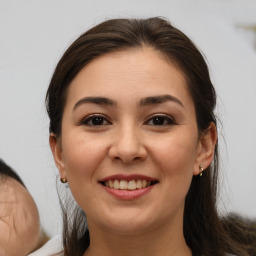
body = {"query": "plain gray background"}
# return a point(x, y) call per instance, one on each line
point(34, 35)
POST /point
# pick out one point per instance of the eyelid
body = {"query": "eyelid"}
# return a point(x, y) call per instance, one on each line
point(171, 120)
point(88, 118)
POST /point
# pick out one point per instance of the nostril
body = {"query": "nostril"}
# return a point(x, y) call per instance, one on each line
point(127, 150)
point(127, 159)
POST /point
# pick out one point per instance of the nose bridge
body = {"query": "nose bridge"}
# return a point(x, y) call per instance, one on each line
point(128, 144)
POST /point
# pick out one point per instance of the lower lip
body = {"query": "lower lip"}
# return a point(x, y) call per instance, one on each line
point(128, 194)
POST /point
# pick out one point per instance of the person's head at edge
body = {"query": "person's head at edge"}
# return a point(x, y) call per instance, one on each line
point(19, 218)
point(116, 43)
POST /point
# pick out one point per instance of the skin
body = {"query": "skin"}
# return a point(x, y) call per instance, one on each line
point(128, 142)
point(19, 219)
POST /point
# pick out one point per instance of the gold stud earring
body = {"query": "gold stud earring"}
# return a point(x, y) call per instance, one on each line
point(63, 180)
point(201, 169)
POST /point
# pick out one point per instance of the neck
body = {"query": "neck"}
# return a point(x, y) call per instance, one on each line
point(161, 241)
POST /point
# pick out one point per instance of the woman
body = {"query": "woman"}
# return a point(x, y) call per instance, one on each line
point(19, 218)
point(133, 132)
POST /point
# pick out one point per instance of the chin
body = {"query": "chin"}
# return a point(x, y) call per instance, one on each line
point(129, 222)
point(129, 228)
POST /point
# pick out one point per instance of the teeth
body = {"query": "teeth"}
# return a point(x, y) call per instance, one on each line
point(139, 184)
point(116, 184)
point(123, 184)
point(127, 185)
point(111, 184)
point(132, 185)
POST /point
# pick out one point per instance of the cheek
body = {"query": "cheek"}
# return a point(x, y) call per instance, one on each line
point(82, 156)
point(177, 162)
point(176, 168)
point(176, 154)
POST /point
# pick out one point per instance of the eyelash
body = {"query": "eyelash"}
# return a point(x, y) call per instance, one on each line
point(94, 117)
point(161, 119)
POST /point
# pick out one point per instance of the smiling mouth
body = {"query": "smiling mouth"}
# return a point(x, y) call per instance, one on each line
point(128, 185)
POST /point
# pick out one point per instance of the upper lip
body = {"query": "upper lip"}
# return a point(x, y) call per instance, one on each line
point(127, 177)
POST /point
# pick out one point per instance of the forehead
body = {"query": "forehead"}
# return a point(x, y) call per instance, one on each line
point(13, 194)
point(18, 217)
point(142, 70)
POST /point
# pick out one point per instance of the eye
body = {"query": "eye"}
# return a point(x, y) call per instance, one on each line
point(160, 120)
point(95, 120)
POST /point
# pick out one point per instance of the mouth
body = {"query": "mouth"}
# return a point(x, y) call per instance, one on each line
point(128, 187)
point(131, 182)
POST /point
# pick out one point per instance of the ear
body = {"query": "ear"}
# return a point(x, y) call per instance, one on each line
point(206, 147)
point(55, 145)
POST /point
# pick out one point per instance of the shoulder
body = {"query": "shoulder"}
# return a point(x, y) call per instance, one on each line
point(52, 248)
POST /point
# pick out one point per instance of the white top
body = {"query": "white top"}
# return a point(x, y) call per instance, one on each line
point(52, 248)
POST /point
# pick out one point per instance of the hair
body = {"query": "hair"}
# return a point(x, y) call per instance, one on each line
point(204, 231)
point(7, 172)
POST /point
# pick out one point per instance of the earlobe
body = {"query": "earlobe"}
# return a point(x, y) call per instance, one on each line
point(57, 154)
point(206, 149)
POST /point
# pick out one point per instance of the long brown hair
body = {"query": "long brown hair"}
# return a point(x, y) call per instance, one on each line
point(205, 233)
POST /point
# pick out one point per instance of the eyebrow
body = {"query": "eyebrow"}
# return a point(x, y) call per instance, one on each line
point(152, 100)
point(95, 100)
point(159, 99)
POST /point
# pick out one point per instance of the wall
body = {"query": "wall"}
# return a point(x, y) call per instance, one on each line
point(34, 35)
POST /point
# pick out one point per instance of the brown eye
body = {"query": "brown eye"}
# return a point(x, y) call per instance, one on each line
point(160, 120)
point(95, 120)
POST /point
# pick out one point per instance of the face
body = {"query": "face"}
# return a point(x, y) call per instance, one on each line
point(19, 220)
point(129, 145)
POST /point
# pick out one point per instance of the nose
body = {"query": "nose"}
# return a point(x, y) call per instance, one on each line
point(127, 146)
